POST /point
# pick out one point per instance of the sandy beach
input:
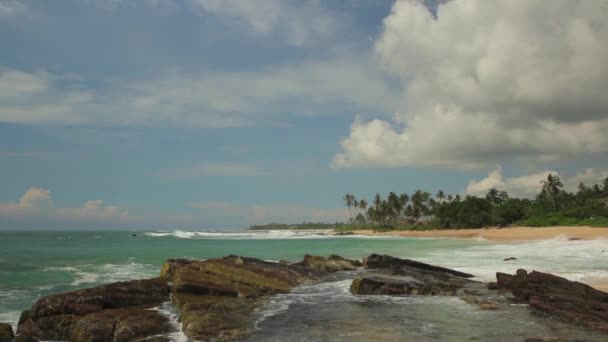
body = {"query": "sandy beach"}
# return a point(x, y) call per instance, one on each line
point(503, 234)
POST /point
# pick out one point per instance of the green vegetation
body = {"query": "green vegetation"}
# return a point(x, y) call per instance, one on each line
point(552, 206)
point(301, 226)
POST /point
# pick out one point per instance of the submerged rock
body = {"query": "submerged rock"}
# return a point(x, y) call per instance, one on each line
point(6, 332)
point(572, 301)
point(510, 259)
point(333, 263)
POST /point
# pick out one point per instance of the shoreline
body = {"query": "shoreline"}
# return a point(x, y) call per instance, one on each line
point(512, 234)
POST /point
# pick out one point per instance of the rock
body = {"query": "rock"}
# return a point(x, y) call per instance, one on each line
point(120, 325)
point(58, 317)
point(234, 277)
point(402, 266)
point(217, 297)
point(6, 332)
point(510, 259)
point(333, 263)
point(572, 301)
point(218, 320)
point(574, 239)
point(345, 233)
point(21, 338)
point(394, 276)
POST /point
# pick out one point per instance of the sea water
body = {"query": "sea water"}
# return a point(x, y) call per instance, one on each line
point(36, 264)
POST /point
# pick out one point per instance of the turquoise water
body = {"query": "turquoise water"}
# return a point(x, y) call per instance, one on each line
point(35, 264)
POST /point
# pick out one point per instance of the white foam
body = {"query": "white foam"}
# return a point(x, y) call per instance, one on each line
point(105, 273)
point(10, 317)
point(168, 310)
point(262, 235)
point(579, 260)
point(337, 291)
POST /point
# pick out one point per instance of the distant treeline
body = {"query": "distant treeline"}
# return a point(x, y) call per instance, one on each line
point(300, 226)
point(552, 206)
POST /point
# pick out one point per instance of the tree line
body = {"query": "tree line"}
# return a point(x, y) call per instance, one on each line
point(553, 205)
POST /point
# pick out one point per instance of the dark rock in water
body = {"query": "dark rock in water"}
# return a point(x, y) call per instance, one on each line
point(133, 235)
point(6, 332)
point(572, 301)
point(394, 276)
point(574, 239)
point(62, 316)
point(510, 259)
point(345, 233)
point(333, 263)
point(404, 266)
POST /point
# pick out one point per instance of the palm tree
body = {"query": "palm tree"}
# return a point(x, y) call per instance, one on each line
point(552, 187)
point(349, 199)
point(363, 208)
point(440, 196)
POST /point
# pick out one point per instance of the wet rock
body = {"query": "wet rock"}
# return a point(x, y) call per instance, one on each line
point(394, 276)
point(405, 266)
point(333, 263)
point(6, 332)
point(233, 277)
point(58, 317)
point(217, 297)
point(510, 259)
point(572, 301)
point(23, 338)
point(120, 325)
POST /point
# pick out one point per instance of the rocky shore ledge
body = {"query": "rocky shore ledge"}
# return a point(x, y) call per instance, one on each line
point(217, 298)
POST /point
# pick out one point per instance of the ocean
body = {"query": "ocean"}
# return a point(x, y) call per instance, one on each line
point(36, 264)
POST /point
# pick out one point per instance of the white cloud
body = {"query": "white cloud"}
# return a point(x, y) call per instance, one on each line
point(296, 23)
point(528, 186)
point(11, 8)
point(198, 99)
point(37, 205)
point(489, 80)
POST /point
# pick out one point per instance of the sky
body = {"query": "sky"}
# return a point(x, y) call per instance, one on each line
point(211, 114)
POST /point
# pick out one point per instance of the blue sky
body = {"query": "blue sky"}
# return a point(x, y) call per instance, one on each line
point(148, 114)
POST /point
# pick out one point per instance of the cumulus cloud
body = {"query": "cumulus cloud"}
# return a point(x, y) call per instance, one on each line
point(36, 205)
point(489, 80)
point(528, 186)
point(294, 22)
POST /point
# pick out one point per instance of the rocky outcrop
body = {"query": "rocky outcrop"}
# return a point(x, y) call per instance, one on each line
point(405, 266)
point(393, 276)
point(6, 332)
point(572, 301)
point(217, 297)
point(113, 312)
point(333, 263)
